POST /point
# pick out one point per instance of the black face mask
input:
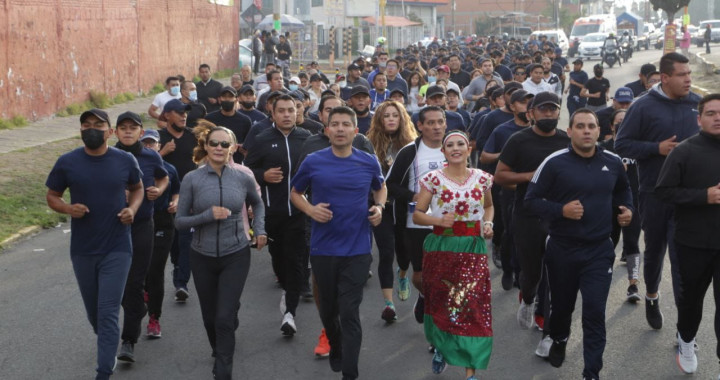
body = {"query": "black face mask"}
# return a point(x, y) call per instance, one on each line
point(546, 125)
point(598, 73)
point(523, 116)
point(248, 105)
point(176, 128)
point(135, 149)
point(92, 138)
point(227, 106)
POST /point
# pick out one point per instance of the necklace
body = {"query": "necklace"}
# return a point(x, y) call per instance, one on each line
point(459, 179)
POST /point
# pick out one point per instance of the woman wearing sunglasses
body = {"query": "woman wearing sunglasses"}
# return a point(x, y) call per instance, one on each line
point(212, 198)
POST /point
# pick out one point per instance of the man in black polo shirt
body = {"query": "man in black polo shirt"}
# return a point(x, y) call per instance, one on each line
point(229, 117)
point(177, 143)
point(639, 86)
point(208, 89)
point(247, 99)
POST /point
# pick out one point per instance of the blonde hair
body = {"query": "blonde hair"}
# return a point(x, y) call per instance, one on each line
point(381, 140)
point(202, 130)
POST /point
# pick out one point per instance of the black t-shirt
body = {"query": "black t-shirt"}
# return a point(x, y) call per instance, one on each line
point(206, 91)
point(238, 123)
point(197, 111)
point(181, 157)
point(595, 85)
point(524, 152)
point(461, 78)
point(604, 116)
point(311, 126)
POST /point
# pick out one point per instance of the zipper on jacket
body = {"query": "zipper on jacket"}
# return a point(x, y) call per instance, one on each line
point(287, 146)
point(217, 233)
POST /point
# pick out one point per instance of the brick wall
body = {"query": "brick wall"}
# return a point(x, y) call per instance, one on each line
point(54, 52)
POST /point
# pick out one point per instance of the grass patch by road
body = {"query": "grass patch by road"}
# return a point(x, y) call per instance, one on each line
point(22, 187)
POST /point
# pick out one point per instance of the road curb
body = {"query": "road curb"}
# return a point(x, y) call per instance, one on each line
point(23, 234)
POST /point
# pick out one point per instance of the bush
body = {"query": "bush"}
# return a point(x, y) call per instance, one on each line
point(129, 96)
point(62, 113)
point(100, 99)
point(75, 108)
point(119, 99)
point(19, 121)
point(158, 88)
point(4, 124)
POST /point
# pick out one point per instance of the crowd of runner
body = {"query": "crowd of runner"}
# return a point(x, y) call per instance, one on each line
point(448, 157)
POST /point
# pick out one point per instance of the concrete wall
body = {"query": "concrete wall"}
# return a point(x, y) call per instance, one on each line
point(54, 52)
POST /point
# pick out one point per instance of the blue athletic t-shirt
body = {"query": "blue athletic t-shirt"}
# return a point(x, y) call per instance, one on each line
point(344, 184)
point(98, 182)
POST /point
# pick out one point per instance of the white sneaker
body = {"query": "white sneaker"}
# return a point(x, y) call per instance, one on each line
point(543, 348)
point(288, 325)
point(525, 315)
point(686, 358)
point(283, 307)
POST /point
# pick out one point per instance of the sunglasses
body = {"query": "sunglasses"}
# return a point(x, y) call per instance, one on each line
point(223, 144)
point(547, 107)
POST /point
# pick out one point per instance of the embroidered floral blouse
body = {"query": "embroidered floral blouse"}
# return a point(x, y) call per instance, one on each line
point(465, 200)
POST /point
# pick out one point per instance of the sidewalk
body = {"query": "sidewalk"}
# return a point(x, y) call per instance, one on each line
point(54, 128)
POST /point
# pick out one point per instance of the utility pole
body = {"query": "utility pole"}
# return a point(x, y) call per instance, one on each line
point(453, 18)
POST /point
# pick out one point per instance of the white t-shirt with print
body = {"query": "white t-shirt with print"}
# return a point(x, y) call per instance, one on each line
point(426, 160)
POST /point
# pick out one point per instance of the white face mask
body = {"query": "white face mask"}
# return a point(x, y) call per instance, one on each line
point(193, 96)
point(175, 90)
point(343, 84)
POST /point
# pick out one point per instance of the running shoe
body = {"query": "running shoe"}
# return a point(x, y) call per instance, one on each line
point(632, 294)
point(653, 314)
point(153, 328)
point(127, 352)
point(323, 347)
point(388, 314)
point(525, 315)
point(419, 309)
point(556, 356)
point(472, 378)
point(403, 287)
point(539, 322)
point(288, 325)
point(181, 295)
point(438, 363)
point(685, 357)
point(543, 348)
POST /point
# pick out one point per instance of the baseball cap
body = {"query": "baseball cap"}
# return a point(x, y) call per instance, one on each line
point(100, 114)
point(295, 80)
point(130, 115)
point(244, 89)
point(520, 95)
point(229, 89)
point(398, 91)
point(624, 95)
point(647, 69)
point(558, 51)
point(545, 97)
point(151, 134)
point(580, 61)
point(434, 90)
point(353, 66)
point(177, 106)
point(444, 68)
point(512, 86)
point(450, 89)
point(497, 93)
point(357, 90)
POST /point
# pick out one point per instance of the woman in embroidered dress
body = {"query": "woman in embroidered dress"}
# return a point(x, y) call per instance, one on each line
point(456, 277)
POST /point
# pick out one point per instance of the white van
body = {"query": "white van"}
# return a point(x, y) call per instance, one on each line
point(593, 24)
point(557, 37)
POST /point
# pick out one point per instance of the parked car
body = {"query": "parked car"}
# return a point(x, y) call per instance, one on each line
point(558, 37)
point(660, 42)
point(715, 34)
point(643, 41)
point(246, 57)
point(591, 45)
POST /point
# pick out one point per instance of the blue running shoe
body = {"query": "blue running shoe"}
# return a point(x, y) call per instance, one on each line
point(438, 363)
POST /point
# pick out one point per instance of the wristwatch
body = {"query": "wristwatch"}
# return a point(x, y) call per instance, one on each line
point(381, 205)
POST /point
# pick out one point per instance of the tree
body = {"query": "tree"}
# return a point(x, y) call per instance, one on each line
point(669, 6)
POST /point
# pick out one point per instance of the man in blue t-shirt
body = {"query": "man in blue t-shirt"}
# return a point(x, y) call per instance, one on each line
point(155, 181)
point(341, 177)
point(578, 78)
point(100, 248)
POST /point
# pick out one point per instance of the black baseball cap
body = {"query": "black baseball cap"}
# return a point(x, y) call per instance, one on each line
point(647, 69)
point(129, 115)
point(353, 66)
point(247, 88)
point(580, 61)
point(433, 91)
point(228, 89)
point(100, 114)
point(520, 95)
point(315, 78)
point(399, 91)
point(545, 97)
point(512, 87)
point(357, 90)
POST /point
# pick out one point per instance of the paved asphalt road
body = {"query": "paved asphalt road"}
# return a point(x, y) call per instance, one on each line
point(44, 333)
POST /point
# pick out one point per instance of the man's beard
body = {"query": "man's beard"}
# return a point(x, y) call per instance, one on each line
point(361, 111)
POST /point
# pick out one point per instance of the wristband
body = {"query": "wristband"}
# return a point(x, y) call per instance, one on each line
point(382, 206)
point(492, 225)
